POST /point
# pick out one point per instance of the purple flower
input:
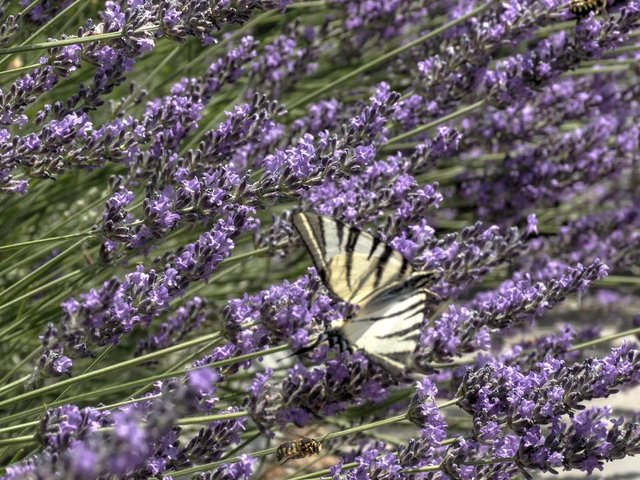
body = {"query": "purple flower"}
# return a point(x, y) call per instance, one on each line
point(503, 168)
point(210, 443)
point(240, 470)
point(286, 59)
point(202, 381)
point(305, 393)
point(289, 312)
point(82, 460)
point(424, 413)
point(62, 426)
point(460, 330)
point(61, 365)
point(105, 315)
point(585, 442)
point(177, 326)
point(112, 63)
point(523, 400)
point(368, 21)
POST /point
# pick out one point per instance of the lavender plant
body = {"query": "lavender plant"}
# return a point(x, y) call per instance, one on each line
point(160, 314)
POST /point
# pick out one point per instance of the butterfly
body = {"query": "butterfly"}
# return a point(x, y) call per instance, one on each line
point(361, 269)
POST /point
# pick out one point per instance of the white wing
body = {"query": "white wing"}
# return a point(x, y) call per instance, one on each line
point(352, 264)
point(387, 327)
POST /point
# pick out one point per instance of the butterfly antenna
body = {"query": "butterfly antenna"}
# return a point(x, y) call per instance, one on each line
point(321, 338)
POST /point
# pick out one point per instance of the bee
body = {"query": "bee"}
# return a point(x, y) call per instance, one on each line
point(301, 448)
point(581, 8)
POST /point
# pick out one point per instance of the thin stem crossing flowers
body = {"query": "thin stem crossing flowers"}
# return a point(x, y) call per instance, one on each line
point(159, 312)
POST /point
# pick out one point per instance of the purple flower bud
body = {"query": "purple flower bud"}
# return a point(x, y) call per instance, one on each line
point(62, 426)
point(424, 412)
point(240, 470)
point(202, 381)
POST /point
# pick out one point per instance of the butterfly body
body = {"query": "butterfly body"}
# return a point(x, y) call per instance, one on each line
point(360, 269)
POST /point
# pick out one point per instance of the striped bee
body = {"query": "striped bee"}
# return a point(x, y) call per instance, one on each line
point(301, 448)
point(582, 8)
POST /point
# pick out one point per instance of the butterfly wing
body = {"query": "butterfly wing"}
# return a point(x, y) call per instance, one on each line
point(360, 269)
point(352, 264)
point(387, 327)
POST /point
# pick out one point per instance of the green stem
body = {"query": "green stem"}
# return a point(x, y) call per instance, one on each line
point(46, 240)
point(35, 34)
point(610, 61)
point(617, 280)
point(103, 354)
point(28, 8)
point(43, 268)
point(74, 40)
point(110, 369)
point(128, 402)
point(252, 253)
point(423, 128)
point(608, 338)
point(19, 365)
point(368, 426)
point(490, 461)
point(326, 471)
point(14, 384)
point(269, 451)
point(625, 49)
point(596, 70)
point(554, 27)
point(428, 468)
point(25, 68)
point(443, 175)
point(243, 445)
point(389, 55)
point(24, 440)
point(310, 4)
point(177, 367)
point(450, 403)
point(20, 426)
point(211, 418)
point(30, 293)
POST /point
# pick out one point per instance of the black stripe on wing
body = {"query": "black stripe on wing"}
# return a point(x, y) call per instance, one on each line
point(382, 263)
point(374, 245)
point(340, 231)
point(412, 309)
point(400, 291)
point(403, 333)
point(350, 247)
point(312, 232)
point(321, 235)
